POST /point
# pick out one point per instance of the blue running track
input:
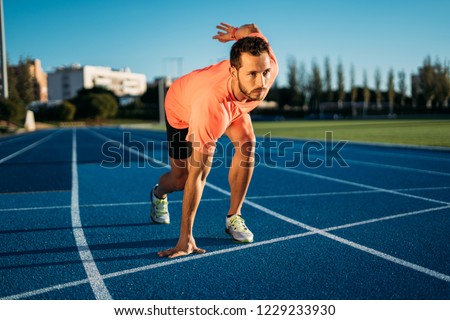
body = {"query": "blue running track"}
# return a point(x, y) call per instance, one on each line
point(355, 222)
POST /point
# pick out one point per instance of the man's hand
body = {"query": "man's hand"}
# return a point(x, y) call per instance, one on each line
point(232, 33)
point(183, 248)
point(227, 35)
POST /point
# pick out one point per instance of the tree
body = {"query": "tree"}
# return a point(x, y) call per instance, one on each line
point(442, 85)
point(328, 87)
point(427, 80)
point(293, 82)
point(25, 84)
point(446, 84)
point(101, 106)
point(402, 87)
point(292, 74)
point(11, 110)
point(303, 84)
point(367, 94)
point(340, 85)
point(63, 112)
point(67, 111)
point(354, 91)
point(391, 91)
point(315, 86)
point(378, 88)
point(12, 84)
point(96, 103)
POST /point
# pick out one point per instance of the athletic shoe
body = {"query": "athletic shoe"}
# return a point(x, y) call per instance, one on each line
point(160, 211)
point(236, 228)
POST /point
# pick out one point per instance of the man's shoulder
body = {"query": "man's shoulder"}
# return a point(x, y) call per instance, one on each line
point(214, 69)
point(207, 82)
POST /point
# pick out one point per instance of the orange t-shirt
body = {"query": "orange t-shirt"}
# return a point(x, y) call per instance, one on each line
point(204, 102)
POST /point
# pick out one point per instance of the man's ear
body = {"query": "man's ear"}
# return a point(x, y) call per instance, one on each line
point(233, 72)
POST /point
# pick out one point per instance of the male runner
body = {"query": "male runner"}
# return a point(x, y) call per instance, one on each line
point(200, 107)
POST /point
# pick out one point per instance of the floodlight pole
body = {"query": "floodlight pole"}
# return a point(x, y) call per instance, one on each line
point(4, 70)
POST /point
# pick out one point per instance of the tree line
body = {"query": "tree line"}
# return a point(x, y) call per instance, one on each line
point(316, 92)
point(309, 93)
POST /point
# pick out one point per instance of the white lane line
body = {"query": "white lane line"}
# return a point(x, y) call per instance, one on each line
point(411, 150)
point(145, 157)
point(297, 195)
point(31, 146)
point(352, 244)
point(131, 150)
point(356, 184)
point(29, 294)
point(33, 293)
point(407, 156)
point(12, 139)
point(394, 167)
point(395, 216)
point(313, 231)
point(95, 279)
point(34, 208)
point(336, 238)
point(389, 166)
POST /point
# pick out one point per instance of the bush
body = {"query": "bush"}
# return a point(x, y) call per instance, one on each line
point(11, 110)
point(67, 111)
point(62, 112)
point(97, 106)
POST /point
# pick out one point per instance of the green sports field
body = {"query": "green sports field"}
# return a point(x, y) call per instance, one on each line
point(411, 132)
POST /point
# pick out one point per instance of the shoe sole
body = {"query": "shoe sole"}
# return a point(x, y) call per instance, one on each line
point(157, 222)
point(236, 240)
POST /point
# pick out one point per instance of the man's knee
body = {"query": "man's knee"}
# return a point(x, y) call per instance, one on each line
point(247, 145)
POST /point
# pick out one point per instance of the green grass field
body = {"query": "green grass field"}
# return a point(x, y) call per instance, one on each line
point(411, 132)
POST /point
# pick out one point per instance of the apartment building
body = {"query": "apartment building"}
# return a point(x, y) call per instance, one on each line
point(65, 82)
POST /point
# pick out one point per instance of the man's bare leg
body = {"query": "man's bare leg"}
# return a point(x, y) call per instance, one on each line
point(174, 180)
point(241, 134)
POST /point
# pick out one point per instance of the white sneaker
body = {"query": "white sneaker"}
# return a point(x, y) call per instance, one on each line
point(160, 211)
point(236, 228)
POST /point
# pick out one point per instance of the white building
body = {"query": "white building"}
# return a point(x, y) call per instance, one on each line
point(64, 83)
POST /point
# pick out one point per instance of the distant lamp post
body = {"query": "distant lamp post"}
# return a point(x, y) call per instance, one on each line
point(4, 69)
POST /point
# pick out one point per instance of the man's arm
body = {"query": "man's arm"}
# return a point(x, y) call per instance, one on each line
point(199, 167)
point(232, 33)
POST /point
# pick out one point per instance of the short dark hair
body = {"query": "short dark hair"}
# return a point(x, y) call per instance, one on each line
point(253, 45)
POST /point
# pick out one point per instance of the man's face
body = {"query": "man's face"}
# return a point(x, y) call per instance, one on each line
point(254, 75)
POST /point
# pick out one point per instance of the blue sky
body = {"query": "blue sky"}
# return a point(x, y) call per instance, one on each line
point(145, 34)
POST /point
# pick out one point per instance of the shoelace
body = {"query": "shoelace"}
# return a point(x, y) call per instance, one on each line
point(238, 224)
point(161, 207)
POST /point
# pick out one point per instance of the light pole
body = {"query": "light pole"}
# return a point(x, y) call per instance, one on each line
point(4, 70)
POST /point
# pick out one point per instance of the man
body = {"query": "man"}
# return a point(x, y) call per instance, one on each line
point(200, 107)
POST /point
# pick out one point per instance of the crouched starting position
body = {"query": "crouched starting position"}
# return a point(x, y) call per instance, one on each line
point(202, 106)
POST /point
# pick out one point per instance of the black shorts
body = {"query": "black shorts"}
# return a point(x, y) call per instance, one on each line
point(179, 148)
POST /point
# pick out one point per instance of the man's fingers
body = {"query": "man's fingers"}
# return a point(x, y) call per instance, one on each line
point(223, 26)
point(226, 35)
point(219, 35)
point(174, 253)
point(165, 253)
